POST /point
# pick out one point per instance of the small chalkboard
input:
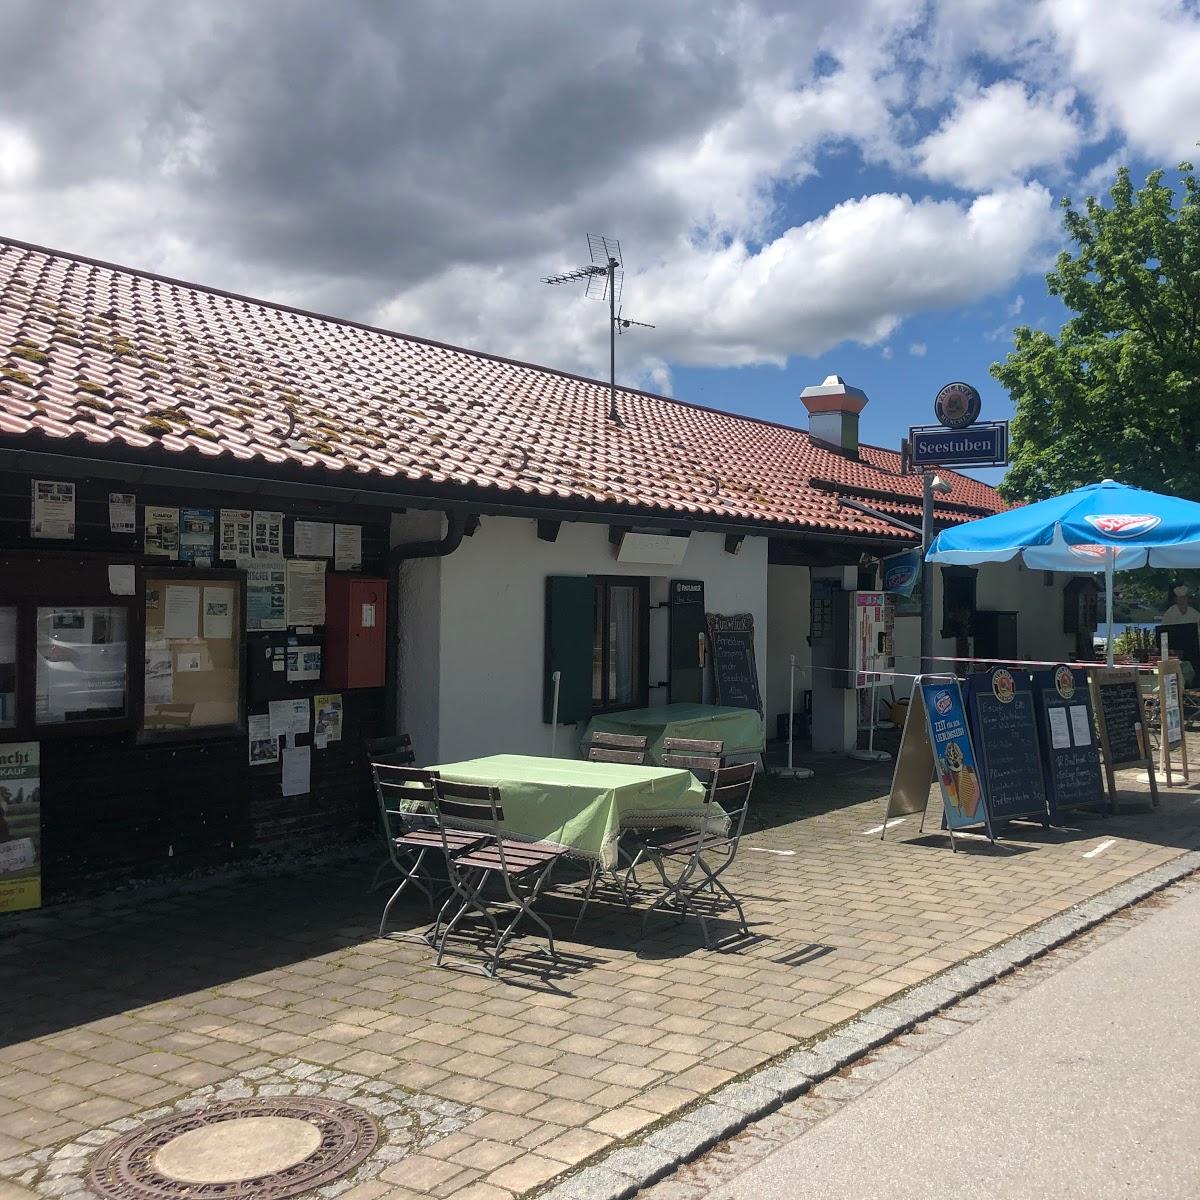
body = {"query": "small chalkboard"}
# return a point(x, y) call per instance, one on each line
point(735, 670)
point(1121, 722)
point(1004, 727)
point(1070, 755)
point(686, 641)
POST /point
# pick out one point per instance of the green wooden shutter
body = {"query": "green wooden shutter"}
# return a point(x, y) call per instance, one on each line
point(570, 619)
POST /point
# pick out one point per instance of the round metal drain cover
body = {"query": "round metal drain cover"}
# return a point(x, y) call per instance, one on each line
point(266, 1149)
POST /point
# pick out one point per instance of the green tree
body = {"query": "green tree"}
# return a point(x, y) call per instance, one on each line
point(1117, 393)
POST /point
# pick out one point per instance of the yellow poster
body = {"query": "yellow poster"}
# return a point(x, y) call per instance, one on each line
point(20, 827)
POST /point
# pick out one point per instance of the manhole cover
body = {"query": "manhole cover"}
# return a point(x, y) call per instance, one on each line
point(260, 1149)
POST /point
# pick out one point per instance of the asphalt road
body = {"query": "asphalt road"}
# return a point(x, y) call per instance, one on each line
point(1087, 1085)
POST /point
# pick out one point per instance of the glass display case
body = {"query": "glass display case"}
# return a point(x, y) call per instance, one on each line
point(81, 664)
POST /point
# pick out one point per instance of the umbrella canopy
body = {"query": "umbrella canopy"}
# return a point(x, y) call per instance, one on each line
point(1102, 527)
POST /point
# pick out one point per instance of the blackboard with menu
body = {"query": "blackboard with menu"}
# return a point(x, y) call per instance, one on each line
point(735, 670)
point(1121, 722)
point(1070, 755)
point(1004, 728)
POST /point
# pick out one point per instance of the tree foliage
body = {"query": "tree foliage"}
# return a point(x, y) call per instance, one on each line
point(1117, 393)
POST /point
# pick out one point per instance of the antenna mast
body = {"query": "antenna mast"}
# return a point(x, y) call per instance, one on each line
point(606, 264)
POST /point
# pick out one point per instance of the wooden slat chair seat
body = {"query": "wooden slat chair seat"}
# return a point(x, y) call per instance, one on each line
point(629, 748)
point(702, 857)
point(521, 868)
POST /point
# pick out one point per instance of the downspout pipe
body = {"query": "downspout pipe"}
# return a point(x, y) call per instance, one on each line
point(456, 527)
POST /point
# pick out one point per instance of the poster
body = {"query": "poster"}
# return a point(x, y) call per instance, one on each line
point(235, 533)
point(53, 513)
point(268, 535)
point(20, 826)
point(305, 591)
point(218, 611)
point(312, 539)
point(1170, 685)
point(182, 618)
point(328, 711)
point(1080, 725)
point(162, 532)
point(1060, 732)
point(347, 548)
point(122, 579)
point(122, 512)
point(196, 536)
point(264, 746)
point(192, 660)
point(297, 770)
point(160, 675)
point(266, 587)
point(953, 754)
point(288, 716)
point(303, 662)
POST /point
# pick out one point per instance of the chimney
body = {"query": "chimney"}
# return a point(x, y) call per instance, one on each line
point(833, 408)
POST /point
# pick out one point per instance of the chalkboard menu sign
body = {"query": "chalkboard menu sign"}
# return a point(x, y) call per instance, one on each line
point(1121, 720)
point(1004, 728)
point(1070, 756)
point(685, 637)
point(735, 670)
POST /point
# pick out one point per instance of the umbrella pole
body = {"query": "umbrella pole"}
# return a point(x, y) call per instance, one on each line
point(1109, 567)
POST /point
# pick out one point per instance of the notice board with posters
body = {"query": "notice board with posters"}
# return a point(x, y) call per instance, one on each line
point(20, 826)
point(1004, 725)
point(735, 669)
point(1070, 754)
point(1121, 723)
point(1172, 735)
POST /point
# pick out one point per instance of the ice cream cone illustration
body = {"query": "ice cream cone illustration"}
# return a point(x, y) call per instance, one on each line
point(968, 792)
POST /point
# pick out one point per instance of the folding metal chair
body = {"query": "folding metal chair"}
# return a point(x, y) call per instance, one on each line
point(618, 748)
point(395, 752)
point(405, 796)
point(703, 856)
point(522, 869)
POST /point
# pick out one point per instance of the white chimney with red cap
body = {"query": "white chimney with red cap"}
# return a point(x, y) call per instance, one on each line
point(833, 408)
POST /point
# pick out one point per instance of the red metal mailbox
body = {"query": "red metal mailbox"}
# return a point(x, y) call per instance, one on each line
point(355, 631)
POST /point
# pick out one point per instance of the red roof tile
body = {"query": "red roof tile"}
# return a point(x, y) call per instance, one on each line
point(117, 356)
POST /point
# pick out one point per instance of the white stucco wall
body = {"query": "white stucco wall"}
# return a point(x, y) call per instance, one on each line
point(788, 617)
point(471, 675)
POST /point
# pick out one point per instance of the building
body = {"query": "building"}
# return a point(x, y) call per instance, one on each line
point(178, 460)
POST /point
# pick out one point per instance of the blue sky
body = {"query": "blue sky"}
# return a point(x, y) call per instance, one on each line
point(859, 187)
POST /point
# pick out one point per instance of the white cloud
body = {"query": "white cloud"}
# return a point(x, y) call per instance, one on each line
point(1014, 309)
point(918, 349)
point(886, 353)
point(1000, 134)
point(18, 156)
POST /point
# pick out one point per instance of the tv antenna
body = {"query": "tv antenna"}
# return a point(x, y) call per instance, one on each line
point(606, 266)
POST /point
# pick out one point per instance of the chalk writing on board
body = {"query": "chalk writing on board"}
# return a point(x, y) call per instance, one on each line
point(1121, 716)
point(1073, 777)
point(1007, 737)
point(735, 670)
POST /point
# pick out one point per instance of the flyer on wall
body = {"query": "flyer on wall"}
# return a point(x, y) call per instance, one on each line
point(264, 746)
point(305, 591)
point(162, 531)
point(266, 591)
point(268, 535)
point(329, 717)
point(235, 533)
point(53, 514)
point(20, 826)
point(196, 535)
point(122, 512)
point(312, 539)
point(347, 548)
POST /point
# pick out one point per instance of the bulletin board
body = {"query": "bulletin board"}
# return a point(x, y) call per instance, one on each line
point(194, 675)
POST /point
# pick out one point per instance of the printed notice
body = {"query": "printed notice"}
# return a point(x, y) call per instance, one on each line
point(122, 512)
point(312, 539)
point(218, 612)
point(1080, 726)
point(264, 746)
point(1060, 733)
point(329, 717)
point(21, 826)
point(266, 584)
point(196, 536)
point(303, 662)
point(160, 677)
point(297, 770)
point(347, 548)
point(53, 513)
point(182, 618)
point(235, 533)
point(190, 660)
point(268, 535)
point(162, 532)
point(288, 716)
point(305, 591)
point(122, 579)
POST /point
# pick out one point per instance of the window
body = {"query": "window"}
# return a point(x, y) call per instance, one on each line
point(81, 667)
point(8, 668)
point(620, 637)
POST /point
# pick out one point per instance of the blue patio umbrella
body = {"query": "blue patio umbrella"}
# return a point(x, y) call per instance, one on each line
point(1105, 527)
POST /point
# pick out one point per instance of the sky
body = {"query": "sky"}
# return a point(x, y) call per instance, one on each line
point(866, 188)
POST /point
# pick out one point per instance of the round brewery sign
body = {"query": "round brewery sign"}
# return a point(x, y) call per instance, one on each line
point(957, 405)
point(1064, 681)
point(1004, 686)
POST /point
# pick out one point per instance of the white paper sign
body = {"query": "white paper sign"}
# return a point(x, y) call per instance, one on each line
point(264, 746)
point(122, 512)
point(368, 616)
point(121, 579)
point(182, 618)
point(53, 513)
point(347, 547)
point(305, 591)
point(17, 855)
point(303, 662)
point(312, 539)
point(1080, 725)
point(160, 677)
point(218, 612)
point(297, 770)
point(235, 533)
point(288, 716)
point(268, 534)
point(189, 660)
point(1060, 733)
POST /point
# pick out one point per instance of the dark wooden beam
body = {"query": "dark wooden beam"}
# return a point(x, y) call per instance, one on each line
point(548, 530)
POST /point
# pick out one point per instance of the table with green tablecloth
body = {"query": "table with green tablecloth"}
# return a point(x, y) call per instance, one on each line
point(741, 729)
point(583, 805)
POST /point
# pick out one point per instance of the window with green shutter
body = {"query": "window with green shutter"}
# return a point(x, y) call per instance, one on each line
point(570, 621)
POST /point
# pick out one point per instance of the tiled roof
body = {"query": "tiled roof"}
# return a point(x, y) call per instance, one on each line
point(152, 367)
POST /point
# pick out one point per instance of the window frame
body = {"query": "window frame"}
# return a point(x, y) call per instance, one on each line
point(602, 586)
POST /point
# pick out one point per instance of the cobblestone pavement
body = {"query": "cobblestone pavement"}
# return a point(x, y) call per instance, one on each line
point(115, 1008)
point(727, 1163)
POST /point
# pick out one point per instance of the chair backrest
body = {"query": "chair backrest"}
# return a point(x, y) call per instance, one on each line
point(618, 748)
point(729, 789)
point(701, 756)
point(396, 749)
point(475, 803)
point(403, 791)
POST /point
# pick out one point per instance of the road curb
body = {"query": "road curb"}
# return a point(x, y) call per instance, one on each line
point(623, 1171)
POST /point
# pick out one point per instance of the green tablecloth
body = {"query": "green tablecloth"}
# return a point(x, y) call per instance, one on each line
point(741, 729)
point(583, 805)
